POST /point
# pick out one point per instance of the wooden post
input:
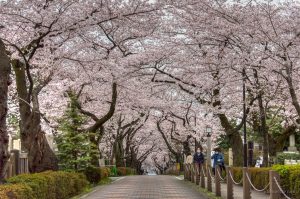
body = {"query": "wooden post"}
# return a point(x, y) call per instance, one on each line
point(229, 183)
point(202, 177)
point(274, 190)
point(193, 173)
point(246, 185)
point(209, 185)
point(217, 181)
point(184, 172)
point(197, 166)
point(190, 172)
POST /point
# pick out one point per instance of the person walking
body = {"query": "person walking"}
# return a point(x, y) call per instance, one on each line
point(189, 159)
point(218, 161)
point(198, 158)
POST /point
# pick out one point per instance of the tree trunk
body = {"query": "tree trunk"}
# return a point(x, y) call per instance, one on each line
point(235, 140)
point(4, 82)
point(264, 132)
point(232, 133)
point(33, 139)
point(119, 152)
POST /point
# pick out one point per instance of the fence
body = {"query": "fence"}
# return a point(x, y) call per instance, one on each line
point(203, 176)
point(17, 164)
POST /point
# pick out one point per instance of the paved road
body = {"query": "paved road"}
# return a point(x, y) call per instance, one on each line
point(145, 187)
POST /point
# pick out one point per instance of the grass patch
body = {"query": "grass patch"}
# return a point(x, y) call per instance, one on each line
point(105, 181)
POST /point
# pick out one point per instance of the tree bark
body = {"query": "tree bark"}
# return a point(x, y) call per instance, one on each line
point(33, 139)
point(5, 70)
point(118, 151)
point(235, 140)
point(263, 129)
point(173, 151)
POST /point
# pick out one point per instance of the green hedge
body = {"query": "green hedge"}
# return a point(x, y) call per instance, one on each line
point(123, 171)
point(286, 156)
point(45, 185)
point(16, 191)
point(105, 172)
point(259, 176)
point(289, 177)
point(95, 174)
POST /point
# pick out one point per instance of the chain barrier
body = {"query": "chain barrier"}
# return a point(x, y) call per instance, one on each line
point(259, 190)
point(281, 190)
point(234, 182)
point(220, 176)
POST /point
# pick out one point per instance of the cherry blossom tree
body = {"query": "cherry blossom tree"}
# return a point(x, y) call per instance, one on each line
point(5, 81)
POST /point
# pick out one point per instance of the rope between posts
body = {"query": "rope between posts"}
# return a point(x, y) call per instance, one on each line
point(220, 176)
point(279, 187)
point(203, 172)
point(197, 170)
point(213, 178)
point(187, 167)
point(234, 182)
point(259, 190)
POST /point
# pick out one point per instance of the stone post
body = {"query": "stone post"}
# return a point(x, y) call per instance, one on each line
point(16, 161)
point(229, 183)
point(292, 143)
point(218, 181)
point(246, 185)
point(274, 190)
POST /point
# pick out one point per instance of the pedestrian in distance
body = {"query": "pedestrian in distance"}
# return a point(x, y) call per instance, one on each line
point(198, 158)
point(189, 159)
point(218, 160)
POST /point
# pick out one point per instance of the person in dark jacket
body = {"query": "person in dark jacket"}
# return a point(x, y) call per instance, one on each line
point(199, 158)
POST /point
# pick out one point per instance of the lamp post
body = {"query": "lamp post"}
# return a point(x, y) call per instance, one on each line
point(244, 119)
point(208, 132)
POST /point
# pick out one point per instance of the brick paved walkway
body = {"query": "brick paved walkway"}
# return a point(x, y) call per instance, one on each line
point(145, 187)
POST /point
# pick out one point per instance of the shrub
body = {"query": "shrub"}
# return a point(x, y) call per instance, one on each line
point(16, 191)
point(289, 179)
point(105, 172)
point(41, 185)
point(93, 174)
point(121, 171)
point(237, 173)
point(45, 185)
point(130, 171)
point(259, 176)
point(286, 156)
